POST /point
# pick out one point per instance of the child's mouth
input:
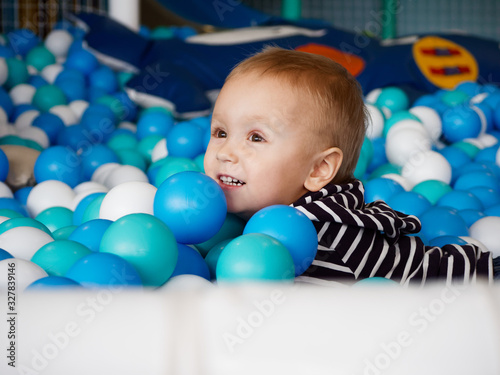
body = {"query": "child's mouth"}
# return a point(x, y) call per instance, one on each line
point(230, 181)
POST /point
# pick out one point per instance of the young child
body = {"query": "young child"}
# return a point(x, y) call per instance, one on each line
point(287, 128)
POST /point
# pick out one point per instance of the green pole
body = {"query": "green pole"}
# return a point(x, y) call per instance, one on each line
point(291, 9)
point(389, 9)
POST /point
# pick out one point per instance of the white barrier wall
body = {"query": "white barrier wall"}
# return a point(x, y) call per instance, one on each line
point(266, 329)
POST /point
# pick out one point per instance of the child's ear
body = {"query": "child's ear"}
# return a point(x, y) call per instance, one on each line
point(324, 169)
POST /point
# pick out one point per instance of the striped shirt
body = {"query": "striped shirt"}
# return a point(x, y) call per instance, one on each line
point(358, 240)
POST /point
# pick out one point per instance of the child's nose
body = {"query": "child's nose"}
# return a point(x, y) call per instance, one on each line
point(227, 152)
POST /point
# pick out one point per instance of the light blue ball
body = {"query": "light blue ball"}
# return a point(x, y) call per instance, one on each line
point(52, 283)
point(90, 233)
point(488, 196)
point(190, 262)
point(461, 122)
point(185, 140)
point(22, 194)
point(487, 154)
point(442, 221)
point(469, 87)
point(474, 179)
point(14, 205)
point(192, 205)
point(154, 122)
point(58, 163)
point(470, 216)
point(488, 113)
point(460, 200)
point(290, 227)
point(96, 156)
point(381, 189)
point(493, 210)
point(255, 257)
point(447, 240)
point(98, 270)
point(409, 203)
point(379, 156)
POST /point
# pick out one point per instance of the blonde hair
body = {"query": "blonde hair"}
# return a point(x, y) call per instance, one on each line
point(340, 114)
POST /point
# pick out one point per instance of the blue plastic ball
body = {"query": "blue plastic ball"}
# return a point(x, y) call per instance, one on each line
point(409, 203)
point(51, 124)
point(474, 179)
point(4, 165)
point(5, 255)
point(255, 257)
point(96, 156)
point(90, 233)
point(460, 200)
point(447, 240)
point(75, 137)
point(488, 196)
point(192, 205)
point(470, 216)
point(154, 122)
point(487, 154)
point(442, 221)
point(53, 282)
point(126, 108)
point(213, 255)
point(22, 194)
point(292, 228)
point(58, 163)
point(14, 205)
point(6, 102)
point(79, 212)
point(104, 78)
point(72, 88)
point(461, 122)
point(185, 140)
point(99, 121)
point(37, 81)
point(393, 98)
point(22, 40)
point(381, 189)
point(190, 262)
point(486, 114)
point(379, 156)
point(99, 270)
point(82, 60)
point(469, 87)
point(492, 210)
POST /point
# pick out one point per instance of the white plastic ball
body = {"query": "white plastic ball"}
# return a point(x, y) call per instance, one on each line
point(404, 142)
point(65, 113)
point(32, 70)
point(375, 122)
point(58, 42)
point(128, 125)
point(101, 173)
point(5, 191)
point(22, 93)
point(4, 219)
point(3, 116)
point(90, 186)
point(49, 193)
point(478, 98)
point(124, 173)
point(186, 283)
point(24, 242)
point(50, 72)
point(427, 165)
point(474, 241)
point(26, 273)
point(487, 230)
point(35, 134)
point(78, 107)
point(4, 71)
point(430, 119)
point(482, 118)
point(400, 180)
point(474, 141)
point(487, 140)
point(159, 151)
point(26, 118)
point(372, 96)
point(128, 198)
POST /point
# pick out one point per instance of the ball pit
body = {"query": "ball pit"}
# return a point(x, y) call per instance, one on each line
point(435, 156)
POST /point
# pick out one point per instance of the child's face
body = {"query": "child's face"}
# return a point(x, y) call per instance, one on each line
point(260, 151)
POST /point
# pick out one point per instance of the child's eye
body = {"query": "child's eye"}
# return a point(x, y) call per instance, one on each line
point(256, 138)
point(218, 133)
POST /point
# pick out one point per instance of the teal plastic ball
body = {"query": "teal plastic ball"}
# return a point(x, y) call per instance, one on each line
point(48, 96)
point(58, 256)
point(39, 57)
point(146, 243)
point(255, 257)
